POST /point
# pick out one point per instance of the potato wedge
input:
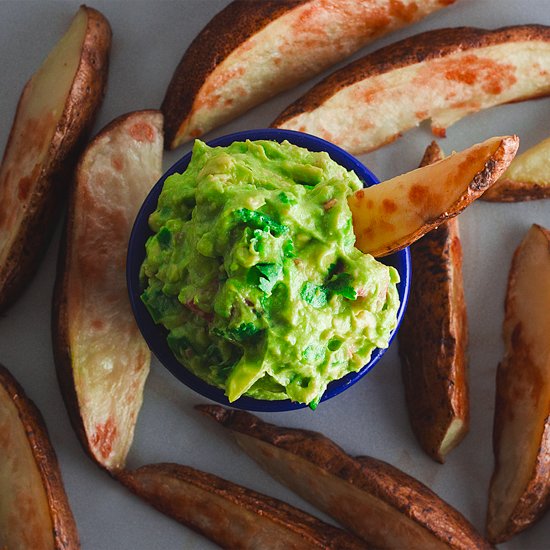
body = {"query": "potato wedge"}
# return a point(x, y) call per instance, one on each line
point(55, 112)
point(251, 51)
point(231, 515)
point(442, 75)
point(384, 506)
point(526, 179)
point(393, 214)
point(433, 360)
point(520, 486)
point(34, 510)
point(101, 358)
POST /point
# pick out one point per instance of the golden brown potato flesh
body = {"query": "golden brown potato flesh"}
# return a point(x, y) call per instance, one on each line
point(526, 179)
point(520, 486)
point(34, 510)
point(382, 505)
point(101, 358)
point(231, 515)
point(433, 360)
point(441, 75)
point(251, 51)
point(393, 214)
point(55, 112)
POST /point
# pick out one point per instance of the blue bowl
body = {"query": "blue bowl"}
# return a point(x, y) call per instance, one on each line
point(155, 335)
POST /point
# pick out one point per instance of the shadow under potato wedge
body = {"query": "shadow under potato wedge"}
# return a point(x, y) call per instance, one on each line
point(433, 359)
point(393, 214)
point(526, 179)
point(384, 506)
point(101, 358)
point(520, 487)
point(231, 515)
point(34, 510)
point(251, 51)
point(440, 75)
point(56, 110)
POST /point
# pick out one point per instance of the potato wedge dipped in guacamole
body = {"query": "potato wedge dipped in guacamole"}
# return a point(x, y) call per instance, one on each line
point(252, 269)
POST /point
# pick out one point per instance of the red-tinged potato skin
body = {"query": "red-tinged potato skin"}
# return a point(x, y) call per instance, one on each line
point(231, 515)
point(307, 36)
point(63, 534)
point(92, 321)
point(519, 493)
point(310, 464)
point(433, 360)
point(450, 61)
point(46, 188)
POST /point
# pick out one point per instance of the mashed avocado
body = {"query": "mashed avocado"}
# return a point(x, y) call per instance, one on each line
point(253, 271)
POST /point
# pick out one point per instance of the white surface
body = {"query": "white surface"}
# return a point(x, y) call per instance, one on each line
point(148, 41)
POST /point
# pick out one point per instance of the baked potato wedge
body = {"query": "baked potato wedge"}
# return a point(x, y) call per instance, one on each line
point(526, 179)
point(231, 515)
point(442, 75)
point(520, 486)
point(382, 505)
point(34, 510)
point(433, 360)
point(393, 214)
point(55, 112)
point(101, 358)
point(251, 51)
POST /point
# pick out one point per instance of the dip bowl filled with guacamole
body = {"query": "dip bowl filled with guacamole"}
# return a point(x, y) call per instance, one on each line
point(244, 278)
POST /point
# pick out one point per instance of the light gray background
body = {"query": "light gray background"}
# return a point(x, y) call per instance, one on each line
point(149, 38)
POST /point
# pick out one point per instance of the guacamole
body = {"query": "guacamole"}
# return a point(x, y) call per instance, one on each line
point(252, 269)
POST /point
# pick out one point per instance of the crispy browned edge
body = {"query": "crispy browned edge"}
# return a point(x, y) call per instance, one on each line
point(227, 30)
point(84, 100)
point(506, 190)
point(416, 49)
point(59, 320)
point(482, 181)
point(316, 533)
point(416, 500)
point(399, 490)
point(65, 534)
point(433, 153)
point(433, 362)
point(527, 510)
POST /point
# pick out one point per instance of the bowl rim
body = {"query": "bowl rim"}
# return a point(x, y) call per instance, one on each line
point(155, 335)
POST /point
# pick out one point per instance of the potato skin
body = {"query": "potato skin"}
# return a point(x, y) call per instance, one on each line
point(414, 499)
point(433, 360)
point(433, 153)
point(83, 102)
point(398, 490)
point(416, 49)
point(526, 179)
point(536, 496)
point(506, 190)
point(209, 503)
point(60, 308)
point(65, 534)
point(521, 386)
point(212, 45)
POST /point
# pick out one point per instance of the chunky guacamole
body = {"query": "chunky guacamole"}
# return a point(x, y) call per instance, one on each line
point(252, 269)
